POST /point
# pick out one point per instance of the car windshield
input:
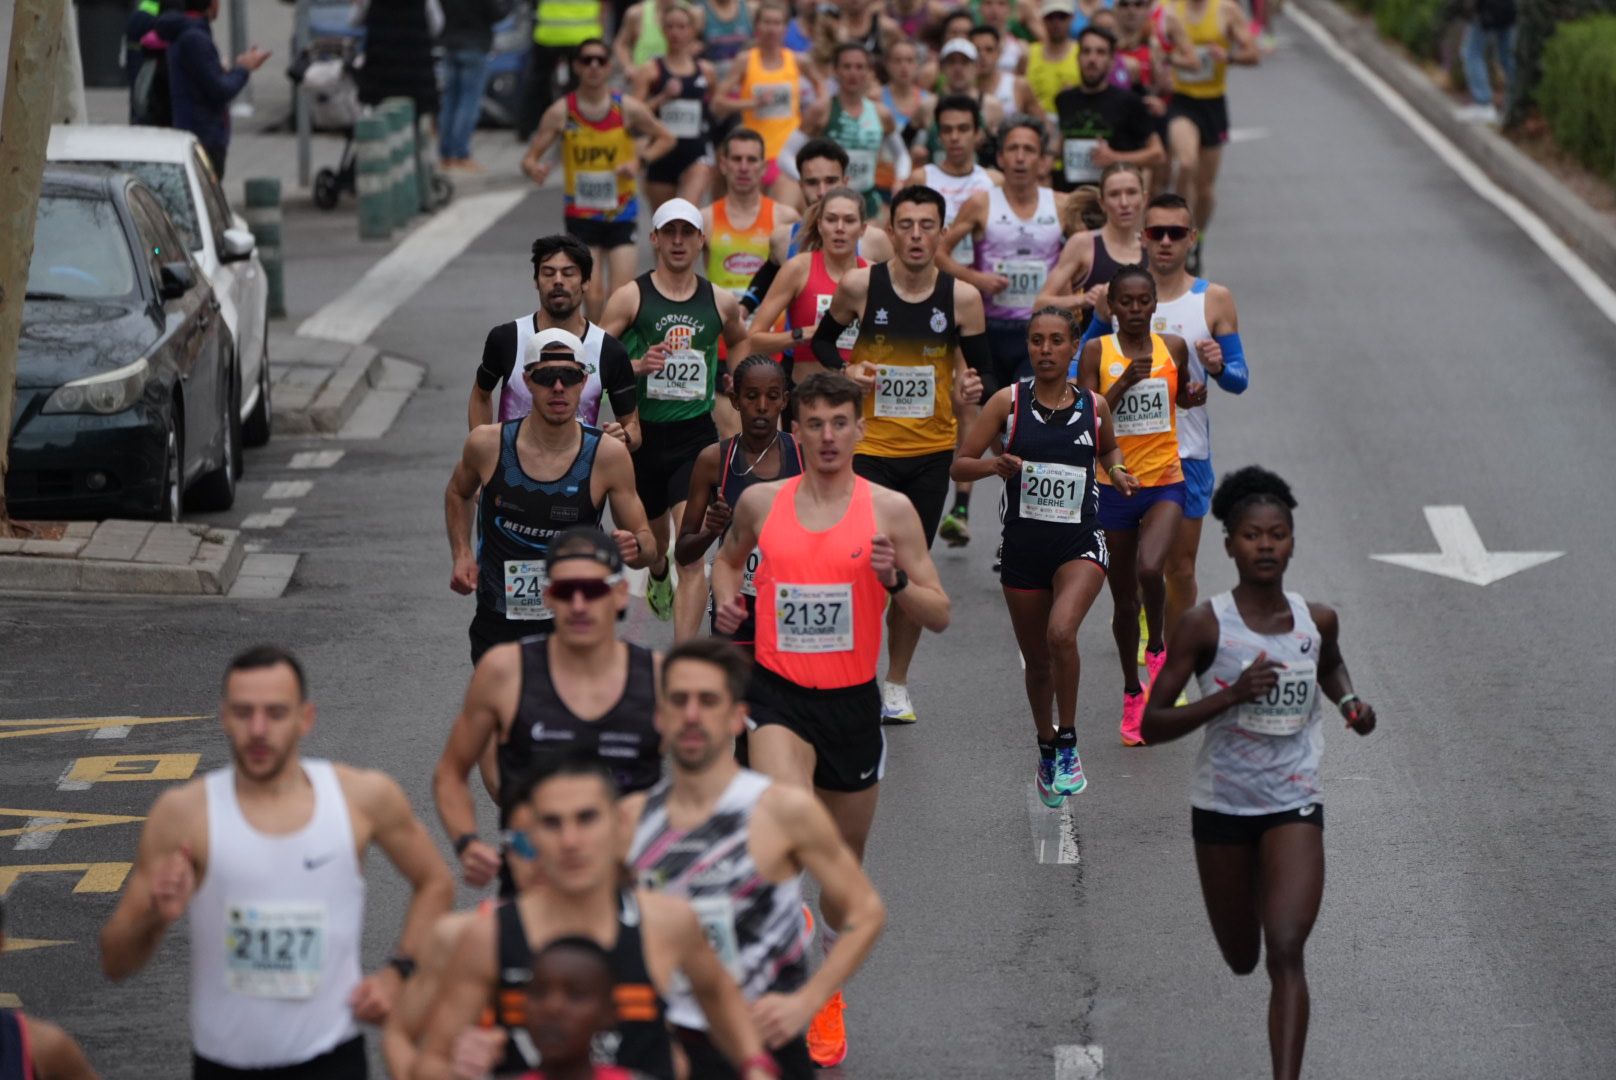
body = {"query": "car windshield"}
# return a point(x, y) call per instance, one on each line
point(168, 182)
point(80, 251)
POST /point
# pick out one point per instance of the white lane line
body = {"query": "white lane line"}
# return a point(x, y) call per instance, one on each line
point(1247, 134)
point(264, 576)
point(289, 489)
point(1084, 1062)
point(1581, 275)
point(316, 459)
point(269, 519)
point(44, 837)
point(1054, 833)
point(112, 731)
point(64, 784)
point(355, 315)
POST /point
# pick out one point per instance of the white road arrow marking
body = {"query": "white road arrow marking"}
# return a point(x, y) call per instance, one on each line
point(1463, 557)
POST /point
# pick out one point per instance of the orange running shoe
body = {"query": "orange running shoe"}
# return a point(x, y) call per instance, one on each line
point(827, 1035)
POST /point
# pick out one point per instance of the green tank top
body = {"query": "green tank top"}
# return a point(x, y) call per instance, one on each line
point(861, 137)
point(650, 43)
point(683, 389)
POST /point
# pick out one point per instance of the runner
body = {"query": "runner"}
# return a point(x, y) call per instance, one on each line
point(862, 23)
point(726, 30)
point(1100, 123)
point(562, 268)
point(735, 844)
point(596, 129)
point(914, 321)
point(265, 854)
point(1052, 63)
point(912, 109)
point(671, 320)
point(765, 87)
point(1205, 37)
point(1142, 375)
point(640, 33)
point(580, 689)
point(957, 62)
point(678, 87)
point(1263, 658)
point(651, 939)
point(1016, 239)
point(996, 14)
point(994, 80)
point(759, 453)
point(526, 480)
point(31, 1047)
point(813, 694)
point(1054, 556)
point(1091, 258)
point(805, 286)
point(854, 122)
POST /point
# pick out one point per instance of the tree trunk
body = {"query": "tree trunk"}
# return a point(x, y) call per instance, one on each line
point(31, 72)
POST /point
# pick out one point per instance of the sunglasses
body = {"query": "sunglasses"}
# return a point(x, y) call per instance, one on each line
point(593, 60)
point(1167, 232)
point(518, 843)
point(1132, 3)
point(550, 374)
point(588, 588)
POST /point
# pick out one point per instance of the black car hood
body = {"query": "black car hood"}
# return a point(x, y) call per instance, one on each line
point(63, 340)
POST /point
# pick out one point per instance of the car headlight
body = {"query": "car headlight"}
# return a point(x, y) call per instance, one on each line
point(107, 393)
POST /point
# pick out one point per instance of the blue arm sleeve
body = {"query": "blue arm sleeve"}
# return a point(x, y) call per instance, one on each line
point(1235, 376)
point(1095, 329)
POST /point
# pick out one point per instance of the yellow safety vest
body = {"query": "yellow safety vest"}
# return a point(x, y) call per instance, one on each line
point(562, 24)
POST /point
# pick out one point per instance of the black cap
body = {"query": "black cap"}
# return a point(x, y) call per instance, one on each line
point(584, 542)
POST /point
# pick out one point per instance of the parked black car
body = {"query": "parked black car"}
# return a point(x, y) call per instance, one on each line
point(127, 384)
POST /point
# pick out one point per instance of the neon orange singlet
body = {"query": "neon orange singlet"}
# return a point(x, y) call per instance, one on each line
point(819, 605)
point(1146, 419)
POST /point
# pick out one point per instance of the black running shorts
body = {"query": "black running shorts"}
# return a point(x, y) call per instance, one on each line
point(843, 726)
point(1211, 827)
point(1210, 116)
point(924, 479)
point(665, 460)
point(707, 1062)
point(345, 1062)
point(1032, 557)
point(602, 234)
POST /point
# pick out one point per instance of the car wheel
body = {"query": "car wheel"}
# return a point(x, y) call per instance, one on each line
point(170, 499)
point(256, 431)
point(217, 490)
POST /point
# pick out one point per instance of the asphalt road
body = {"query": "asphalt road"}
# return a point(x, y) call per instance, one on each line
point(1409, 348)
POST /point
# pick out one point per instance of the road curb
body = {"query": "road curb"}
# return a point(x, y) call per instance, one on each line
point(125, 557)
point(319, 383)
point(1587, 232)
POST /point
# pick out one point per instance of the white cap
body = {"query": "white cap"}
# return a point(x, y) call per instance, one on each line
point(957, 47)
point(678, 210)
point(550, 338)
point(1057, 7)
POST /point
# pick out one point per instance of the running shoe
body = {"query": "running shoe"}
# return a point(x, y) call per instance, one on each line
point(1133, 714)
point(1144, 634)
point(1046, 783)
point(1069, 778)
point(827, 1035)
point(955, 529)
point(1153, 665)
point(659, 594)
point(896, 708)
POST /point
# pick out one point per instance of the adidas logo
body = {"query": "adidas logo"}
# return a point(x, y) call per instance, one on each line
point(1083, 439)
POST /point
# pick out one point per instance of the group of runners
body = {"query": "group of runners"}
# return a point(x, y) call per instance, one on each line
point(888, 294)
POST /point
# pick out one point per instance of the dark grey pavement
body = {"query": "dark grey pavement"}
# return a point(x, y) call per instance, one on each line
point(1409, 348)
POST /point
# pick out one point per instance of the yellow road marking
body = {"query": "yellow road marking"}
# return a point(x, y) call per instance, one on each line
point(21, 729)
point(10, 1001)
point(22, 944)
point(98, 877)
point(129, 767)
point(61, 820)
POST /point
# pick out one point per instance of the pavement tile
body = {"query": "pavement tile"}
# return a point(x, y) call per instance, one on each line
point(65, 548)
point(173, 545)
point(117, 540)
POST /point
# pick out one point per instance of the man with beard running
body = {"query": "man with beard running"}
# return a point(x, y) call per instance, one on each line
point(562, 269)
point(736, 844)
point(1101, 123)
point(266, 856)
point(529, 479)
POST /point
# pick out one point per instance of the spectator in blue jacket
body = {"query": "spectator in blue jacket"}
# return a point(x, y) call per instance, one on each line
point(199, 85)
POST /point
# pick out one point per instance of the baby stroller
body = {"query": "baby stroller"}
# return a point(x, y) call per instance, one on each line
point(324, 70)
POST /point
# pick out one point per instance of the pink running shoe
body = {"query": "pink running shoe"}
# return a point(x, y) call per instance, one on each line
point(1133, 714)
point(1153, 665)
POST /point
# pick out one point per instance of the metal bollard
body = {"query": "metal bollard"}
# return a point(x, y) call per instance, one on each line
point(407, 194)
point(373, 172)
point(263, 214)
point(426, 164)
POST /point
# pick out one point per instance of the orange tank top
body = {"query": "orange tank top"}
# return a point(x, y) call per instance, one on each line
point(819, 605)
point(1146, 418)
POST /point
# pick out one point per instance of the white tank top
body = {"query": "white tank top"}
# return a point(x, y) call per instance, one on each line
point(1024, 250)
point(275, 929)
point(516, 401)
point(1186, 317)
point(1006, 90)
point(955, 190)
point(1262, 757)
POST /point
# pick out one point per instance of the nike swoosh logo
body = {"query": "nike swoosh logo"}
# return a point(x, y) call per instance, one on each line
point(866, 774)
point(315, 864)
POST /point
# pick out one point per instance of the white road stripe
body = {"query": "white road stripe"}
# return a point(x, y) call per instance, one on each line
point(38, 841)
point(354, 316)
point(112, 731)
point(316, 459)
point(382, 405)
point(1054, 833)
point(264, 576)
point(1581, 275)
point(269, 519)
point(1083, 1062)
point(289, 489)
point(64, 784)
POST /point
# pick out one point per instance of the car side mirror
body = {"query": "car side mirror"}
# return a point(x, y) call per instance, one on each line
point(177, 280)
point(237, 246)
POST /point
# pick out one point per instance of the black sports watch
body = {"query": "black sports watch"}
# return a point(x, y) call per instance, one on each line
point(404, 965)
point(464, 841)
point(898, 586)
point(796, 333)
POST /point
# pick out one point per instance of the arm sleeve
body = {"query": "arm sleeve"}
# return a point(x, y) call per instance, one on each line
point(499, 357)
point(824, 343)
point(752, 299)
point(1235, 376)
point(617, 377)
point(979, 358)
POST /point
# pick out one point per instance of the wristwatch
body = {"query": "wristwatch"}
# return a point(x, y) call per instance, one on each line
point(463, 841)
point(897, 586)
point(796, 333)
point(404, 965)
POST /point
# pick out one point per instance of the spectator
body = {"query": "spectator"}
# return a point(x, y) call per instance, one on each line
point(398, 51)
point(200, 89)
point(1491, 22)
point(146, 61)
point(559, 27)
point(468, 37)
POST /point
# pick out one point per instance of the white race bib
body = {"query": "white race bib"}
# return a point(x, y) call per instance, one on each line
point(774, 101)
point(1026, 278)
point(965, 250)
point(524, 590)
point(814, 618)
point(682, 118)
point(847, 338)
point(860, 169)
point(717, 917)
point(1053, 492)
point(905, 391)
point(275, 950)
point(1285, 709)
point(1144, 409)
point(594, 190)
point(682, 378)
point(1079, 161)
point(1205, 71)
point(749, 575)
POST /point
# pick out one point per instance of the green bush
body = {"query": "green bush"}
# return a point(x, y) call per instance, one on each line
point(1538, 21)
point(1416, 23)
point(1578, 90)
